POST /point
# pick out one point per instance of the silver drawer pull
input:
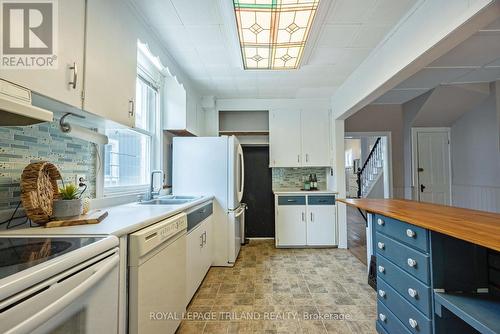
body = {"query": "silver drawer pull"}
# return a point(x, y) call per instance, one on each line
point(410, 233)
point(380, 222)
point(381, 293)
point(413, 323)
point(381, 245)
point(381, 269)
point(382, 317)
point(413, 293)
point(412, 263)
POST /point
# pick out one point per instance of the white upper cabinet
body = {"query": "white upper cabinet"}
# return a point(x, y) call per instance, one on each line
point(55, 83)
point(315, 138)
point(285, 138)
point(183, 112)
point(299, 138)
point(111, 60)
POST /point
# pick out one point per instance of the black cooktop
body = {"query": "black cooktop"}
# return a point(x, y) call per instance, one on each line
point(21, 253)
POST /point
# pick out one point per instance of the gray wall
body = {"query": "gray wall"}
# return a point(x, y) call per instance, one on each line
point(387, 118)
point(476, 158)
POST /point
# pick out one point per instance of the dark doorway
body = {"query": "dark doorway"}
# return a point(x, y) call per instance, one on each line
point(258, 193)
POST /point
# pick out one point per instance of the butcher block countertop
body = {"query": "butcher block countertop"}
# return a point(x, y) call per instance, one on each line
point(478, 227)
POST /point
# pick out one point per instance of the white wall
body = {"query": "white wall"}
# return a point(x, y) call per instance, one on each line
point(475, 158)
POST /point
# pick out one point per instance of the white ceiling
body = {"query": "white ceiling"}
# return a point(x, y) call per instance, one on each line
point(201, 35)
point(476, 60)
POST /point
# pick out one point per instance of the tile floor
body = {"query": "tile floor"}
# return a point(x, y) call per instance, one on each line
point(273, 290)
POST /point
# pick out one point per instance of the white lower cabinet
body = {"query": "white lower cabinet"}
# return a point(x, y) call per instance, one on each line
point(199, 256)
point(305, 221)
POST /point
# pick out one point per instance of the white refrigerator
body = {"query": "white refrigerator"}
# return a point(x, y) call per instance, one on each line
point(214, 166)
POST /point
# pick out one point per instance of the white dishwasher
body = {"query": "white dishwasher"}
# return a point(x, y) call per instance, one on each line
point(157, 277)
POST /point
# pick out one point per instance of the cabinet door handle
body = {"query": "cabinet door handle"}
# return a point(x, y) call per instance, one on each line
point(307, 157)
point(381, 269)
point(381, 245)
point(382, 317)
point(205, 237)
point(201, 240)
point(298, 158)
point(312, 217)
point(413, 293)
point(131, 107)
point(380, 222)
point(381, 293)
point(412, 263)
point(74, 68)
point(413, 323)
point(303, 216)
point(410, 233)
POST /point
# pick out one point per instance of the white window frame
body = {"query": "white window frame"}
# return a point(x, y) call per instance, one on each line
point(151, 75)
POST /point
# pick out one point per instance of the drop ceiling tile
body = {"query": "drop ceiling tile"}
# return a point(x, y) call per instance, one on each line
point(337, 36)
point(480, 49)
point(399, 96)
point(206, 36)
point(431, 77)
point(198, 12)
point(369, 36)
point(350, 11)
point(390, 11)
point(151, 8)
point(480, 75)
point(326, 56)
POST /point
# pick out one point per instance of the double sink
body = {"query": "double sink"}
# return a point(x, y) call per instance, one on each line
point(170, 200)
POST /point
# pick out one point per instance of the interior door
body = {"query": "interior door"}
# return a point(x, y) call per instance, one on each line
point(433, 167)
point(315, 138)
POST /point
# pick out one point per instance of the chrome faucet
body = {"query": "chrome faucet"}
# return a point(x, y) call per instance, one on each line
point(152, 192)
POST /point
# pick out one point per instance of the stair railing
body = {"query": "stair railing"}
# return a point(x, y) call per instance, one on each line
point(365, 173)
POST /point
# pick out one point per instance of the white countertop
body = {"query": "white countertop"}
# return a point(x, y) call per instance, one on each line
point(303, 192)
point(121, 220)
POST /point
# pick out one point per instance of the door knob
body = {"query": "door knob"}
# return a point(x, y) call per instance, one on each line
point(422, 188)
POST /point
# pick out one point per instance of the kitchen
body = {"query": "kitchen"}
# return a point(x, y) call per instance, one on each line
point(177, 166)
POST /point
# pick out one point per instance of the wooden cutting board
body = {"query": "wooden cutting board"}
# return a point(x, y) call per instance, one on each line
point(92, 217)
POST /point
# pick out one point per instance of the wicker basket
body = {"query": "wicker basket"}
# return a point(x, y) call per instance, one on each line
point(39, 190)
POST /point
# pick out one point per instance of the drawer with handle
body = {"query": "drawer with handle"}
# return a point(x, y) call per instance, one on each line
point(411, 235)
point(408, 259)
point(199, 214)
point(321, 200)
point(291, 200)
point(414, 291)
point(413, 319)
point(388, 321)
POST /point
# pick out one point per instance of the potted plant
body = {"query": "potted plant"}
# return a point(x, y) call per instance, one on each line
point(69, 204)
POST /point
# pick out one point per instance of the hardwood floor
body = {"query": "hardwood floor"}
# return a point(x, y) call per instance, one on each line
point(356, 234)
point(284, 291)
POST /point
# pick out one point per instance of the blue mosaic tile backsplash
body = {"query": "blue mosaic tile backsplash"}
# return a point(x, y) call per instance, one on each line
point(20, 146)
point(293, 178)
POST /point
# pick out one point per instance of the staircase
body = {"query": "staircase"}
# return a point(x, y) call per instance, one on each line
point(372, 170)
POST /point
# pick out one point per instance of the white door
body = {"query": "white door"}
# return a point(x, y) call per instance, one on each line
point(284, 138)
point(111, 61)
point(321, 225)
point(55, 83)
point(315, 138)
point(433, 167)
point(291, 225)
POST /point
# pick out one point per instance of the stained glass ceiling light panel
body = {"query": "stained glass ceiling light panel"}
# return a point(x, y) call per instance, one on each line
point(273, 33)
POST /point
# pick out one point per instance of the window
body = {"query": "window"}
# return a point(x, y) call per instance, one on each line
point(128, 155)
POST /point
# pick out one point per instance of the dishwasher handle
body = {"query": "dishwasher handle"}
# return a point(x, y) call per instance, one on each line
point(55, 308)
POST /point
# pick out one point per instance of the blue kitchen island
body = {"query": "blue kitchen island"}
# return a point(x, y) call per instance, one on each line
point(438, 267)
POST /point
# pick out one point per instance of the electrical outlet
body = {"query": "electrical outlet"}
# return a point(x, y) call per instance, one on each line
point(80, 180)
